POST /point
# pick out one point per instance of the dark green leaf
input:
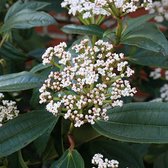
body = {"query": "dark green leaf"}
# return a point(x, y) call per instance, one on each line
point(132, 24)
point(10, 52)
point(161, 161)
point(148, 37)
point(146, 57)
point(19, 81)
point(84, 30)
point(24, 129)
point(27, 18)
point(39, 67)
point(2, 5)
point(50, 151)
point(70, 159)
point(84, 134)
point(136, 122)
point(20, 5)
point(42, 141)
point(119, 151)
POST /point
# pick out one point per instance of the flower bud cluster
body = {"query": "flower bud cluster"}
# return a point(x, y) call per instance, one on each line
point(88, 81)
point(104, 163)
point(161, 9)
point(8, 110)
point(88, 8)
point(128, 6)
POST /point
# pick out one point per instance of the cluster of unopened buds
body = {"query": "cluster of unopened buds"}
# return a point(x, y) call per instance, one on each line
point(104, 163)
point(161, 9)
point(88, 8)
point(88, 82)
point(8, 110)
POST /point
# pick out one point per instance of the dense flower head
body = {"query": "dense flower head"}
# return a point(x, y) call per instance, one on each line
point(101, 162)
point(88, 81)
point(161, 9)
point(128, 6)
point(88, 8)
point(8, 110)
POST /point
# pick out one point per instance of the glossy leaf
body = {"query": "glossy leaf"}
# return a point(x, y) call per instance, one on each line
point(27, 18)
point(8, 51)
point(19, 81)
point(146, 57)
point(84, 30)
point(39, 67)
point(119, 151)
point(70, 159)
point(132, 24)
point(20, 5)
point(148, 37)
point(136, 122)
point(24, 129)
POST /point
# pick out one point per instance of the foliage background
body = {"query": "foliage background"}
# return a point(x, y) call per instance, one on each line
point(39, 134)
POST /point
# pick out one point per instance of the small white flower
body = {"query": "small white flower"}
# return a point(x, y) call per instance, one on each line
point(156, 74)
point(85, 8)
point(88, 75)
point(98, 159)
point(161, 9)
point(164, 92)
point(8, 110)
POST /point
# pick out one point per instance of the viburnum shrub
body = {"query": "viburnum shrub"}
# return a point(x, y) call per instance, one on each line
point(97, 100)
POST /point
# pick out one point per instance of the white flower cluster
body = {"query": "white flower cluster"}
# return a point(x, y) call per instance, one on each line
point(161, 9)
point(164, 92)
point(88, 8)
point(8, 110)
point(158, 73)
point(128, 6)
point(104, 163)
point(88, 81)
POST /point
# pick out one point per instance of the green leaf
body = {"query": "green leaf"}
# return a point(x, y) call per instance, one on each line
point(132, 24)
point(42, 141)
point(25, 19)
point(84, 134)
point(70, 159)
point(148, 37)
point(39, 67)
point(19, 81)
point(136, 122)
point(20, 5)
point(161, 161)
point(83, 30)
point(119, 151)
point(146, 57)
point(2, 5)
point(24, 129)
point(10, 52)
